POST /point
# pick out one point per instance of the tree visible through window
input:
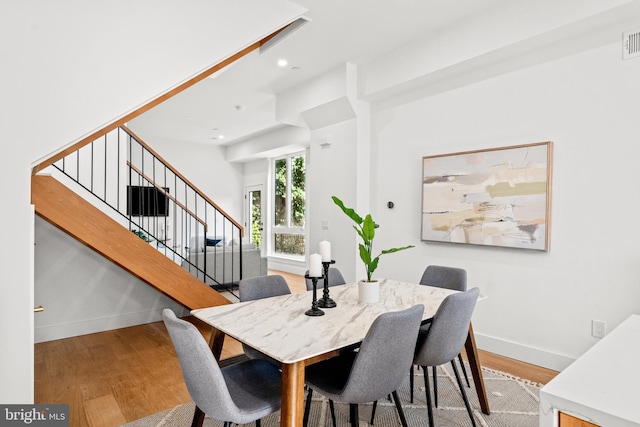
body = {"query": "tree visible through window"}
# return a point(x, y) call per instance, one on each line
point(289, 205)
point(256, 217)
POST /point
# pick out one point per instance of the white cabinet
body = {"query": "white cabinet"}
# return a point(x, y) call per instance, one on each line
point(601, 386)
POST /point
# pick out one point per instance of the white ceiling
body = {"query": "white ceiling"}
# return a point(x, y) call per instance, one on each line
point(240, 101)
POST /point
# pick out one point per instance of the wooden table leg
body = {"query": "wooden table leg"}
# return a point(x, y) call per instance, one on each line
point(292, 404)
point(216, 340)
point(476, 370)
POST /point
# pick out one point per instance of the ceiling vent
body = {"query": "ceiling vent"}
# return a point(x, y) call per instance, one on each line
point(631, 44)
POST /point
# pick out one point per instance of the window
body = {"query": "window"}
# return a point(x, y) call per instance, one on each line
point(289, 206)
point(253, 196)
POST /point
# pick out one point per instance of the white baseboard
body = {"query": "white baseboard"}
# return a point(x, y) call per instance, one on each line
point(90, 326)
point(287, 265)
point(532, 355)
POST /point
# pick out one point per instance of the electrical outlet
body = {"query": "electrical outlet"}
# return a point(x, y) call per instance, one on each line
point(598, 328)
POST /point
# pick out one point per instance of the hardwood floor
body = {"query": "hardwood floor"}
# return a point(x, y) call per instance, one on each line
point(114, 377)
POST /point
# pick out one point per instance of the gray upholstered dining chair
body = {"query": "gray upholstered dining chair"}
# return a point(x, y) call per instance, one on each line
point(257, 288)
point(335, 279)
point(239, 393)
point(445, 277)
point(448, 278)
point(373, 372)
point(445, 337)
point(262, 287)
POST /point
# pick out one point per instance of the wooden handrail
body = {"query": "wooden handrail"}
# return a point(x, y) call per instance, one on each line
point(154, 102)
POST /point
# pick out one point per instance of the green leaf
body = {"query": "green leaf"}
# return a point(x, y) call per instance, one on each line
point(359, 231)
point(372, 267)
point(368, 228)
point(392, 250)
point(348, 211)
point(365, 255)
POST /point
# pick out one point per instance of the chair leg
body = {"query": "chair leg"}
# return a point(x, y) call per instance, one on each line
point(198, 418)
point(373, 410)
point(396, 399)
point(464, 393)
point(434, 370)
point(353, 414)
point(464, 370)
point(428, 394)
point(307, 408)
point(411, 384)
point(333, 412)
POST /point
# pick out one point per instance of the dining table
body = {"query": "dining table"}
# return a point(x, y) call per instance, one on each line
point(278, 327)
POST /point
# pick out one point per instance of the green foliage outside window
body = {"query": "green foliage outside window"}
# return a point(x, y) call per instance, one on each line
point(289, 204)
point(298, 175)
point(281, 192)
point(289, 244)
point(256, 226)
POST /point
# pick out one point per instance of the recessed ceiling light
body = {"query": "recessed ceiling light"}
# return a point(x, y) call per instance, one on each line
point(220, 136)
point(282, 62)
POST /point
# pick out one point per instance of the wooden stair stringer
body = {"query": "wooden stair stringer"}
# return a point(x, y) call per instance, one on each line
point(66, 210)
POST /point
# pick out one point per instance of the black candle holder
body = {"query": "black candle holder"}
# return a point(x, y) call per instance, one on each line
point(314, 310)
point(325, 301)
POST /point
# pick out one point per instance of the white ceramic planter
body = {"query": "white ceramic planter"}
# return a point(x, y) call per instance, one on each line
point(368, 292)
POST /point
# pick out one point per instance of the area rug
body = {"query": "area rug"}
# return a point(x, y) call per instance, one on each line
point(513, 402)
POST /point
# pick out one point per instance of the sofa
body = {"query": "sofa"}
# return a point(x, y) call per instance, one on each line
point(223, 262)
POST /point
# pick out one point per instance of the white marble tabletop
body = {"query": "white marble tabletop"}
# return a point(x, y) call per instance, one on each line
point(278, 327)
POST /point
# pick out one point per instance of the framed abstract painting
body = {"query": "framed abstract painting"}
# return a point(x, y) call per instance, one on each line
point(493, 197)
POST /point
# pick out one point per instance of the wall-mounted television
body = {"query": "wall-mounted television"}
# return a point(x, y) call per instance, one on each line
point(147, 201)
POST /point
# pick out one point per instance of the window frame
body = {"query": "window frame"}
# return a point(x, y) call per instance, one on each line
point(288, 228)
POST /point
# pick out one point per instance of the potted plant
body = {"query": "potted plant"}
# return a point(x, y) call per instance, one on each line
point(368, 290)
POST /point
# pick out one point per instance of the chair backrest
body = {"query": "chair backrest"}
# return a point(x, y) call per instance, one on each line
point(385, 356)
point(445, 277)
point(200, 369)
point(448, 330)
point(335, 279)
point(262, 287)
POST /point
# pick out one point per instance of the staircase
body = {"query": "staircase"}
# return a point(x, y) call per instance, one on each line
point(72, 214)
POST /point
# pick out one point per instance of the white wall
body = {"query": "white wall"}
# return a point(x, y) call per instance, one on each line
point(63, 77)
point(255, 172)
point(331, 171)
point(83, 292)
point(540, 305)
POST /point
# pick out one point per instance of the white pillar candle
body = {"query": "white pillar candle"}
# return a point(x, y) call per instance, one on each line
point(325, 251)
point(315, 265)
